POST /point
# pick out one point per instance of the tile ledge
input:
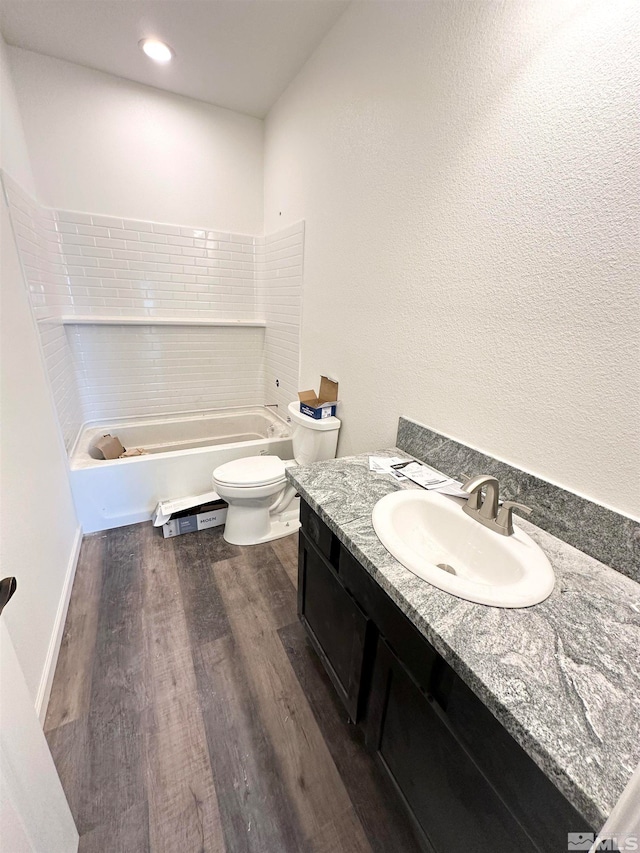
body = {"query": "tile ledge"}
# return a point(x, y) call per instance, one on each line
point(98, 320)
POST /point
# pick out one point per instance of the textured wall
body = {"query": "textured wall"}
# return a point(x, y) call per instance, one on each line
point(468, 174)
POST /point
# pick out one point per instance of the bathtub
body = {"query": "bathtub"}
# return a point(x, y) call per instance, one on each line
point(181, 453)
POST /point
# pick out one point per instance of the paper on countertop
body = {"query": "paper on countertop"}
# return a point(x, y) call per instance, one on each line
point(430, 479)
point(453, 489)
point(420, 474)
point(383, 464)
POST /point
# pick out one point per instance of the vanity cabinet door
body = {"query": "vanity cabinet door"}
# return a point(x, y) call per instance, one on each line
point(531, 797)
point(335, 624)
point(450, 801)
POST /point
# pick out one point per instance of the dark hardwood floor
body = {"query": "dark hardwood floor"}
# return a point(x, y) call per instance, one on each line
point(189, 713)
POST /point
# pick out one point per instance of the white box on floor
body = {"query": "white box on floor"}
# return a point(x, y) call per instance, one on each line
point(199, 521)
point(187, 515)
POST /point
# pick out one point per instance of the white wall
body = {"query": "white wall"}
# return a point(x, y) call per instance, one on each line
point(37, 523)
point(468, 173)
point(34, 813)
point(101, 144)
point(13, 145)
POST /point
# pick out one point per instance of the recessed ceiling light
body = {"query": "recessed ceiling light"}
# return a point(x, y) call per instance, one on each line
point(156, 50)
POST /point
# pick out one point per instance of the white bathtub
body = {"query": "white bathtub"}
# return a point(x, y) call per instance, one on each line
point(181, 455)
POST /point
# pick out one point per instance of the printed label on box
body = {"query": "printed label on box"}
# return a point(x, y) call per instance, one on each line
point(188, 524)
point(192, 523)
point(211, 519)
point(317, 413)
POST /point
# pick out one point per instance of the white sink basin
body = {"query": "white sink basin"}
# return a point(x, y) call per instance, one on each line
point(432, 537)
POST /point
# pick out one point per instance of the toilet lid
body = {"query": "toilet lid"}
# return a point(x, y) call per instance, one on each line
point(250, 471)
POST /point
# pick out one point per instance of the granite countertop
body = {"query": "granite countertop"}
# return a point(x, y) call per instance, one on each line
point(563, 677)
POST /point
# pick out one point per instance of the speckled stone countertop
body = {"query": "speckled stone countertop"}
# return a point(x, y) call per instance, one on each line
point(563, 677)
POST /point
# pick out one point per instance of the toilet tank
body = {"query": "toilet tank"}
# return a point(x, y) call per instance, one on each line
point(312, 440)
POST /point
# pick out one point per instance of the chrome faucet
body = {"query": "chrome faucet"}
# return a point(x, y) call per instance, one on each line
point(485, 510)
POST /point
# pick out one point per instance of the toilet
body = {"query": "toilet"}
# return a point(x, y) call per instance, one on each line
point(262, 505)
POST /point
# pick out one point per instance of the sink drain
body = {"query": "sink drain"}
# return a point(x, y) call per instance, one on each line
point(446, 568)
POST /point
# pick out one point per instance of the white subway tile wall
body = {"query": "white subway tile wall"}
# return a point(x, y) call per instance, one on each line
point(279, 266)
point(79, 264)
point(119, 267)
point(49, 294)
point(125, 371)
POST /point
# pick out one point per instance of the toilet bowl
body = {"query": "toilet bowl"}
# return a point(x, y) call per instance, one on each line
point(262, 504)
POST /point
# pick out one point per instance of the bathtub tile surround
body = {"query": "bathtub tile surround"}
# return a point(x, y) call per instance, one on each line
point(84, 265)
point(279, 266)
point(44, 275)
point(562, 677)
point(608, 536)
point(129, 371)
point(129, 267)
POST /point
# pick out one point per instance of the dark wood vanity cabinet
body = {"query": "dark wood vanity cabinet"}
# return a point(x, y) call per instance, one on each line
point(336, 625)
point(445, 792)
point(466, 784)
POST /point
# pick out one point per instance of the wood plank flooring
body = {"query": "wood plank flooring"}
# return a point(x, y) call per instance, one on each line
point(189, 714)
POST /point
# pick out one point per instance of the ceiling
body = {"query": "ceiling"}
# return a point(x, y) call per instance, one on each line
point(239, 54)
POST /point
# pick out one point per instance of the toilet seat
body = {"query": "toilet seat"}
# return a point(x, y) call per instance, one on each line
point(251, 472)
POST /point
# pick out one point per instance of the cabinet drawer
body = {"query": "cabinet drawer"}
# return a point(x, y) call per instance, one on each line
point(336, 626)
point(317, 531)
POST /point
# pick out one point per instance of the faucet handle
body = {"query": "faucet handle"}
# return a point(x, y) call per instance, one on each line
point(505, 516)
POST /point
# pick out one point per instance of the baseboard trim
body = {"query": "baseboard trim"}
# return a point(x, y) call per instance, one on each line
point(46, 682)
